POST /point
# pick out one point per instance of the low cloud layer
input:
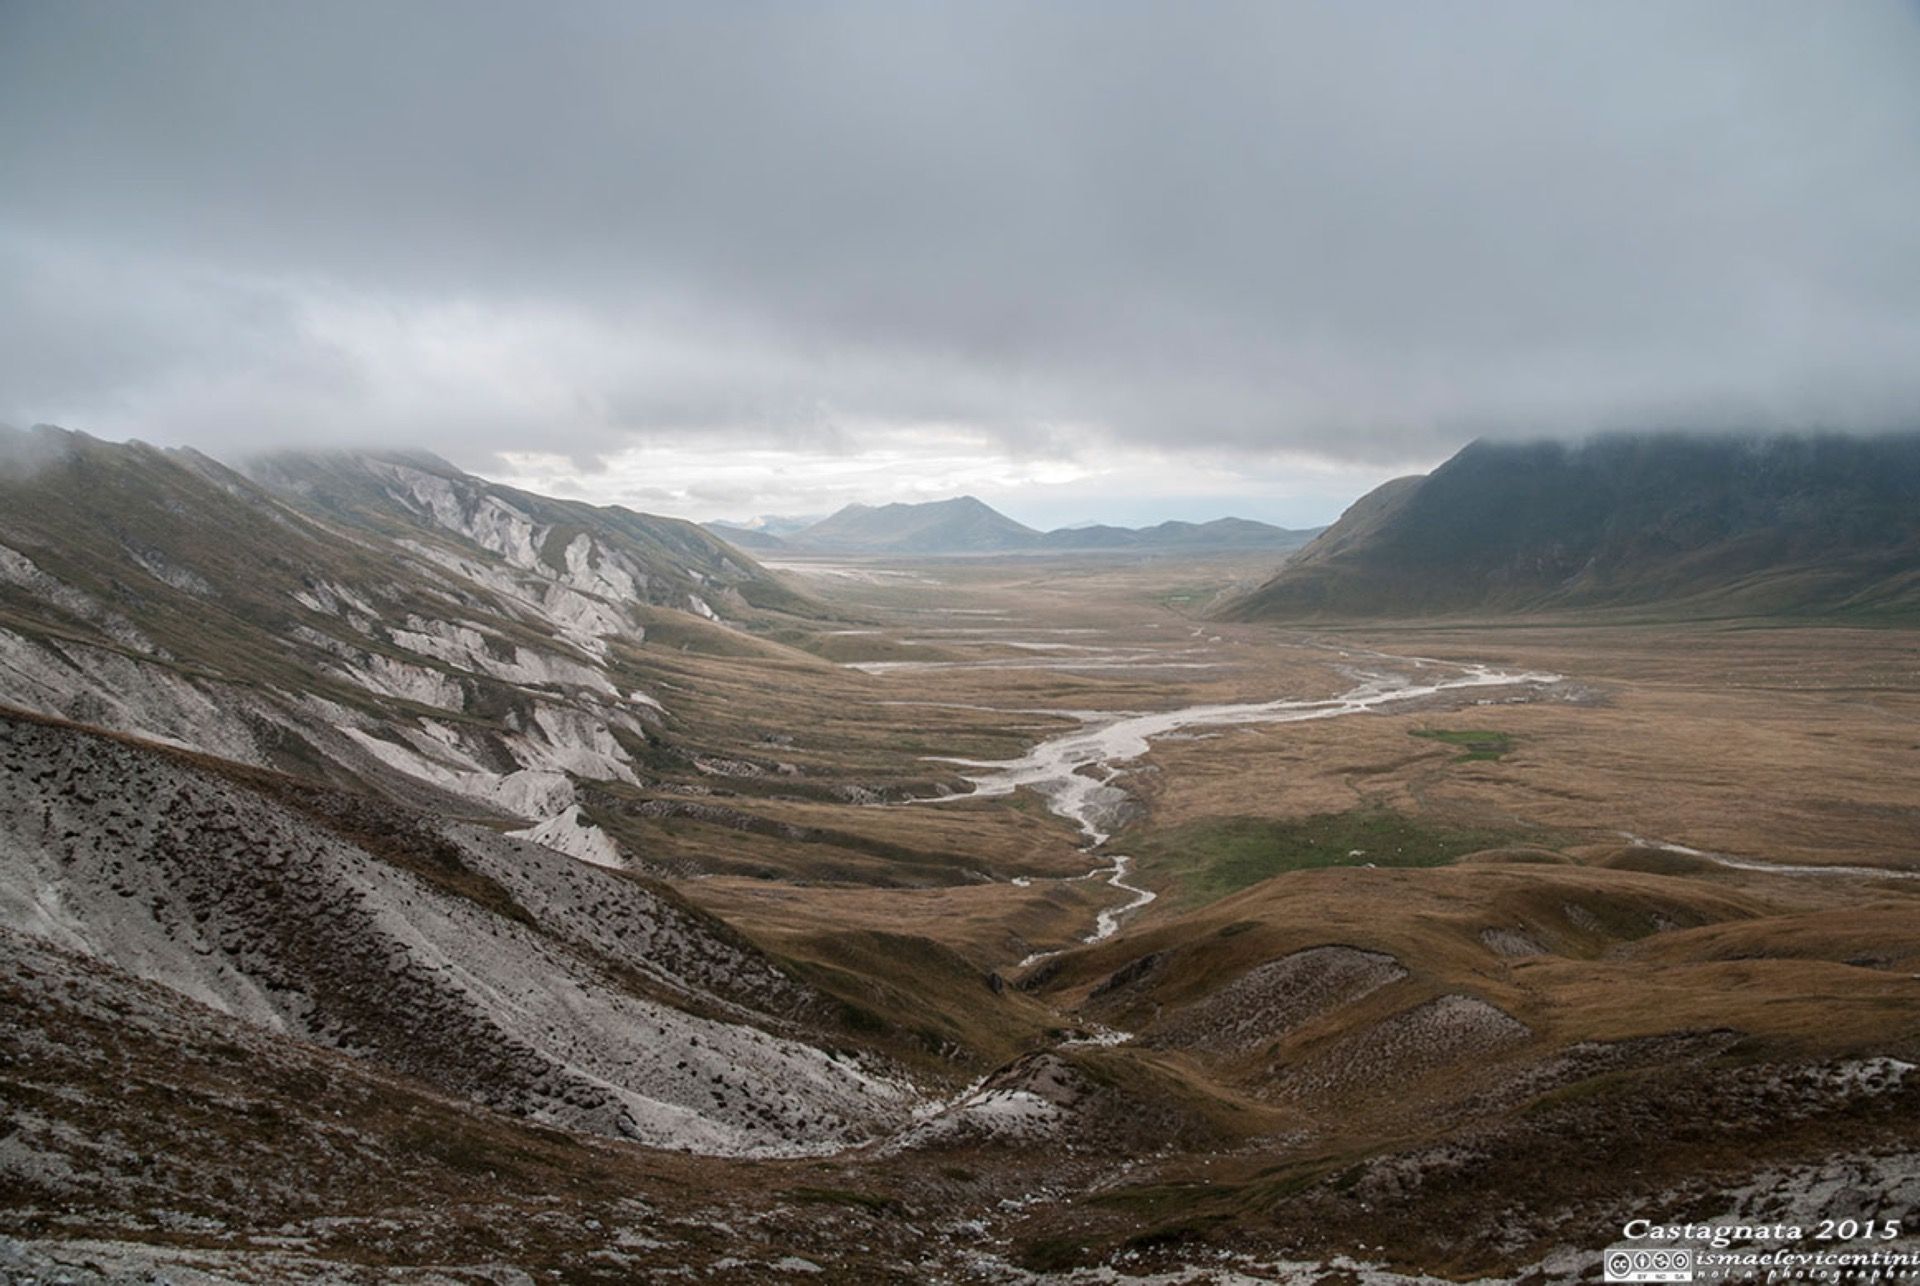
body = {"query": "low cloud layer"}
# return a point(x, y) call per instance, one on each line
point(1264, 240)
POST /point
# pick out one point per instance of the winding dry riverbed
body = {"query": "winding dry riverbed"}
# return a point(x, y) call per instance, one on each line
point(1076, 771)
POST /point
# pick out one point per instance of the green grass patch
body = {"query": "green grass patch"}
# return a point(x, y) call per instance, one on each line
point(1475, 744)
point(1209, 859)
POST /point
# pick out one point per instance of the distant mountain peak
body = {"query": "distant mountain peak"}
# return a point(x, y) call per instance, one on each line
point(961, 524)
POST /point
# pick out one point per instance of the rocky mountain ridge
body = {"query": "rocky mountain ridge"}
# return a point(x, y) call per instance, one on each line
point(379, 621)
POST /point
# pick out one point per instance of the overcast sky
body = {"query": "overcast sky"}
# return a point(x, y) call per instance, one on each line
point(1091, 260)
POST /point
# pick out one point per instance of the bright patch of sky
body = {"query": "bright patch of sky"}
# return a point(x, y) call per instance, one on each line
point(1126, 486)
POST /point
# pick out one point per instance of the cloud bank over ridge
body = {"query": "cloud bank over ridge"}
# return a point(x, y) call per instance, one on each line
point(1056, 247)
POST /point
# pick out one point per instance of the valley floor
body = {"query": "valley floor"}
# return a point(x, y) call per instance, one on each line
point(1466, 945)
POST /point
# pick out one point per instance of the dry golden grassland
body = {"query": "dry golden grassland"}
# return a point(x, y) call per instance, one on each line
point(1420, 986)
point(1796, 745)
point(1499, 847)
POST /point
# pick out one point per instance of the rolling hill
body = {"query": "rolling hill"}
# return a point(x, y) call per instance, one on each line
point(1682, 525)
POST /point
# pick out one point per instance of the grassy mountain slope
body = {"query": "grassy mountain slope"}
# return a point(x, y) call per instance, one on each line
point(372, 620)
point(1692, 525)
point(750, 538)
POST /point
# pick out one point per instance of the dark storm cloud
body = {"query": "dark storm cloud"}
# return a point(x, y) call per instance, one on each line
point(1367, 231)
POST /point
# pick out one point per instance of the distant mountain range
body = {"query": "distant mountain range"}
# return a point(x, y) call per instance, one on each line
point(966, 525)
point(1687, 525)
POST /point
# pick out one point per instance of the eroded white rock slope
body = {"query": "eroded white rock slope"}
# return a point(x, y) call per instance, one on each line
point(489, 967)
point(428, 634)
